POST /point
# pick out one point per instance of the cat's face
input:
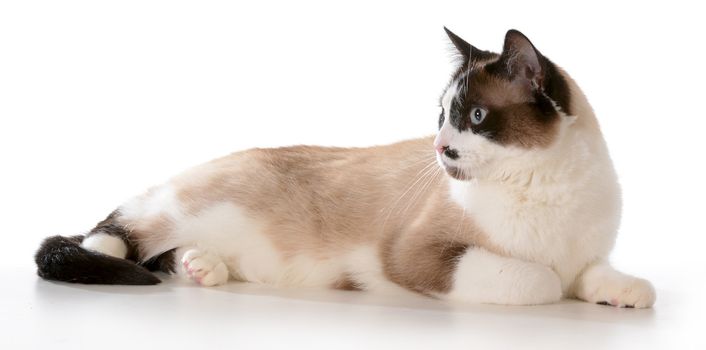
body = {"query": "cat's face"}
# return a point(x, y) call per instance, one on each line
point(499, 107)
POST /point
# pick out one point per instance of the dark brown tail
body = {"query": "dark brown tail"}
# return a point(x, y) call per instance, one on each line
point(63, 259)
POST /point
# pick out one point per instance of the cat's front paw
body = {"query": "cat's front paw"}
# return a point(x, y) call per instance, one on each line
point(204, 268)
point(632, 293)
point(609, 287)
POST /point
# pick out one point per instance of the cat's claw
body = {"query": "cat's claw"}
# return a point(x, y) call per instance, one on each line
point(204, 268)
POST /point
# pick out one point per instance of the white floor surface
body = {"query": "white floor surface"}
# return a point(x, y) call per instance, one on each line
point(177, 314)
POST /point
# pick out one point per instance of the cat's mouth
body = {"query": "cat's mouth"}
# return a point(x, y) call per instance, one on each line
point(458, 173)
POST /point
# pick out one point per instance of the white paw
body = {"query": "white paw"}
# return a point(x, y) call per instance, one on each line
point(609, 287)
point(631, 292)
point(206, 269)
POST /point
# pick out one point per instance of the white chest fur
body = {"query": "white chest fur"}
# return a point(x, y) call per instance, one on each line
point(564, 225)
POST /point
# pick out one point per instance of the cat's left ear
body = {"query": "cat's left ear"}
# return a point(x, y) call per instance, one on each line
point(521, 59)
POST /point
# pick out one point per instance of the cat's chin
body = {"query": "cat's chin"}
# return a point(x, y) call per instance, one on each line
point(458, 173)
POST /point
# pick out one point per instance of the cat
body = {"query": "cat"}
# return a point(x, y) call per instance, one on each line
point(515, 201)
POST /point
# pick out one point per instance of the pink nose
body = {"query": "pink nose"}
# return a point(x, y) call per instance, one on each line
point(441, 143)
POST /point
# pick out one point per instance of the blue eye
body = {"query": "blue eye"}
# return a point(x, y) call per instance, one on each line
point(478, 115)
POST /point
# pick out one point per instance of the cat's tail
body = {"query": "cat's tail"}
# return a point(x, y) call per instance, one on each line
point(63, 259)
point(105, 255)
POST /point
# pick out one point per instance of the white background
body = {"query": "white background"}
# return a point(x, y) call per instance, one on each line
point(99, 100)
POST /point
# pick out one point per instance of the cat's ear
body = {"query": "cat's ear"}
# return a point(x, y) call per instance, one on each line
point(521, 59)
point(468, 51)
point(462, 46)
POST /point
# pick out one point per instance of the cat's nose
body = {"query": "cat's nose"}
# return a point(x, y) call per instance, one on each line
point(440, 144)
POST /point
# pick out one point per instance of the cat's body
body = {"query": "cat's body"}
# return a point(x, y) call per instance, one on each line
point(521, 223)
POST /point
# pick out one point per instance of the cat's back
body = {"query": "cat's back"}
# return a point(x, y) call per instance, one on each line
point(264, 177)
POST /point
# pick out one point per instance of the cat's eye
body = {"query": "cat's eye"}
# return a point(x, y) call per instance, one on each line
point(478, 115)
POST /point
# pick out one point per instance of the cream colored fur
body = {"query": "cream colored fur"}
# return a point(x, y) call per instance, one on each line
point(531, 226)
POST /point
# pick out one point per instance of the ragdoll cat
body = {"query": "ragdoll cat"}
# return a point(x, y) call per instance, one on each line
point(523, 207)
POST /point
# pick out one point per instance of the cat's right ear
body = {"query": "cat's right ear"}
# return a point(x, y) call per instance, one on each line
point(468, 51)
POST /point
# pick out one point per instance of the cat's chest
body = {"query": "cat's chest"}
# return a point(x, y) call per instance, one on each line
point(541, 226)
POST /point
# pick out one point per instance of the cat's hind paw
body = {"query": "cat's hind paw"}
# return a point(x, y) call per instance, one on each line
point(204, 268)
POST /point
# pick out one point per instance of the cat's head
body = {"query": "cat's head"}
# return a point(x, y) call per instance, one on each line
point(500, 108)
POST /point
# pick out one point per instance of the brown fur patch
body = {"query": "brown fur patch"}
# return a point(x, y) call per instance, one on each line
point(517, 115)
point(424, 268)
point(423, 257)
point(346, 283)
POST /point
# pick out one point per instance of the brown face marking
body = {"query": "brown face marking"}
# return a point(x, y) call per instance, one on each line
point(516, 115)
point(520, 89)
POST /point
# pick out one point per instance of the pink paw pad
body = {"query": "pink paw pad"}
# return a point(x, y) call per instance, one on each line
point(204, 268)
